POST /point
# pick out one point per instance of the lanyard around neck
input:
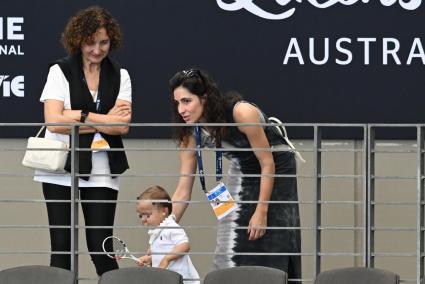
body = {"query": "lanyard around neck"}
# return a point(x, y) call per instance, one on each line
point(97, 97)
point(218, 160)
point(98, 102)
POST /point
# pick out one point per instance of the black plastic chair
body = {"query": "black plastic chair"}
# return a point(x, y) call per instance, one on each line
point(137, 275)
point(356, 275)
point(247, 275)
point(36, 274)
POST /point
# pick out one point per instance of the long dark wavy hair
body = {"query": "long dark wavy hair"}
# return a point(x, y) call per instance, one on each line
point(202, 85)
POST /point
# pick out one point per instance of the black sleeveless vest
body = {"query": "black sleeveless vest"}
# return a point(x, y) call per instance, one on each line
point(81, 98)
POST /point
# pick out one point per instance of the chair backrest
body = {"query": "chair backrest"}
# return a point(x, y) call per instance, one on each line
point(355, 275)
point(137, 275)
point(37, 274)
point(247, 275)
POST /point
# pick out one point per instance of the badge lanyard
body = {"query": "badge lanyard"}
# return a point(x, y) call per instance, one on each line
point(98, 142)
point(97, 97)
point(98, 102)
point(219, 197)
point(218, 160)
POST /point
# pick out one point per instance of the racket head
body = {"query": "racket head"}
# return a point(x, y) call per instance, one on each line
point(114, 247)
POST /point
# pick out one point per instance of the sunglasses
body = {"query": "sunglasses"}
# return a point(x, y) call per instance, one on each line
point(190, 73)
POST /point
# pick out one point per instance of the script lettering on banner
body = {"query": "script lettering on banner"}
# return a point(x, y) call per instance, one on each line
point(255, 9)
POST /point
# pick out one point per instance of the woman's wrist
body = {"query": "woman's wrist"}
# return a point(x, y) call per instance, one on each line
point(83, 115)
point(262, 207)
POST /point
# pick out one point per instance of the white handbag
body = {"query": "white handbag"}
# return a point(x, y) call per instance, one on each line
point(47, 160)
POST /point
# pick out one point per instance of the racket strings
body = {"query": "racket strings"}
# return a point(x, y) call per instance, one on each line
point(119, 248)
point(115, 248)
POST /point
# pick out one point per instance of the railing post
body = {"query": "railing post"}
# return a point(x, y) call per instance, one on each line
point(74, 198)
point(317, 198)
point(419, 205)
point(370, 210)
point(365, 193)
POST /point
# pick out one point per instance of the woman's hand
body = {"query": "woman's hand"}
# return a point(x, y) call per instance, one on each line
point(119, 113)
point(164, 263)
point(120, 109)
point(257, 225)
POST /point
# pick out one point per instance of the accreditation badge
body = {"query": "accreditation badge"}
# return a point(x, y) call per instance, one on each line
point(221, 201)
point(99, 143)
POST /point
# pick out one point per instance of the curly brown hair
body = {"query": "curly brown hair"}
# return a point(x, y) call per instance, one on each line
point(82, 27)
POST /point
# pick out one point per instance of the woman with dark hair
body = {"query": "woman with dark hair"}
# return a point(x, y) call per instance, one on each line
point(198, 100)
point(88, 87)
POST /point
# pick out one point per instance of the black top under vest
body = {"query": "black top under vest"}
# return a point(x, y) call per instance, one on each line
point(81, 98)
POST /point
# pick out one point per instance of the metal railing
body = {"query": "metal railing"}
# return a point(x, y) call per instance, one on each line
point(366, 177)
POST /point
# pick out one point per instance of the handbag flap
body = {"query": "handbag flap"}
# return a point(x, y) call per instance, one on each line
point(36, 142)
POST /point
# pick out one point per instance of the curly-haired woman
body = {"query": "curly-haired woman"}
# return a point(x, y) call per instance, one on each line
point(89, 87)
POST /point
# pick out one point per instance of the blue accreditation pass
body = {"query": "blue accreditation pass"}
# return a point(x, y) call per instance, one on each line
point(221, 201)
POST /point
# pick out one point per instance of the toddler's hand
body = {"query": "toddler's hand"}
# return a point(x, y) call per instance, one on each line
point(145, 260)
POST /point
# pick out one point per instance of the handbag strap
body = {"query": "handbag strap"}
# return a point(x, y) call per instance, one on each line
point(41, 130)
point(282, 130)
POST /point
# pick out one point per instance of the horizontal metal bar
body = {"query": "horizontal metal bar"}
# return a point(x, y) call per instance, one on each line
point(158, 175)
point(191, 175)
point(383, 254)
point(33, 227)
point(393, 151)
point(349, 125)
point(301, 280)
point(340, 254)
point(266, 149)
point(340, 228)
point(209, 227)
point(5, 174)
point(139, 227)
point(406, 125)
point(333, 150)
point(396, 203)
point(133, 201)
point(34, 252)
point(326, 125)
point(341, 176)
point(339, 202)
point(400, 229)
point(176, 149)
point(144, 252)
point(394, 254)
point(150, 149)
point(393, 177)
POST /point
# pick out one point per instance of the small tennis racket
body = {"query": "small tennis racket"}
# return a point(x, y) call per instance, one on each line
point(120, 249)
